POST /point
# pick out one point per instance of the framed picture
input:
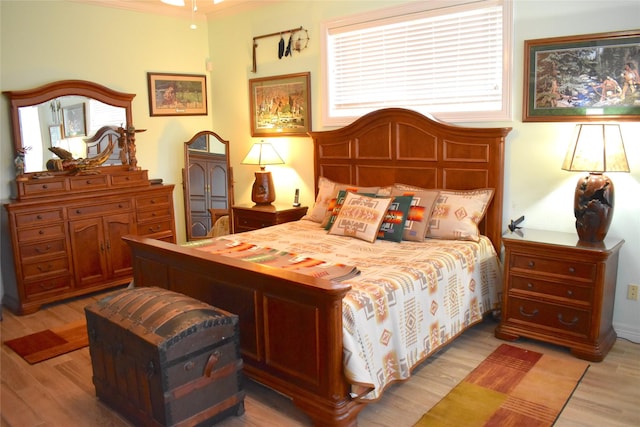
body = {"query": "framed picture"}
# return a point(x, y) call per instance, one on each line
point(280, 105)
point(177, 94)
point(55, 135)
point(74, 121)
point(582, 78)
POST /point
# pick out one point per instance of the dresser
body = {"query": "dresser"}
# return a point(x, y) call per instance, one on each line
point(62, 234)
point(560, 290)
point(253, 217)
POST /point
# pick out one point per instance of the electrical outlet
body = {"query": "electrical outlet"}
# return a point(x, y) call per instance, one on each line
point(632, 292)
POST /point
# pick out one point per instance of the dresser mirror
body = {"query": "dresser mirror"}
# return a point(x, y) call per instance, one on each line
point(208, 183)
point(82, 118)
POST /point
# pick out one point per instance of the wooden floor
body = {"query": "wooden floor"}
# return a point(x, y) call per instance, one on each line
point(59, 392)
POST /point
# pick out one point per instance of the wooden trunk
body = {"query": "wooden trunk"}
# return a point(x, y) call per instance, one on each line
point(164, 359)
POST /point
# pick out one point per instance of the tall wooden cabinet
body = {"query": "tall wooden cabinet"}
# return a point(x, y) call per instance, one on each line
point(208, 189)
point(62, 236)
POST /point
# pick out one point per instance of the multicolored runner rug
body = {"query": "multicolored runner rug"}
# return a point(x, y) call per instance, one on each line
point(511, 387)
point(276, 258)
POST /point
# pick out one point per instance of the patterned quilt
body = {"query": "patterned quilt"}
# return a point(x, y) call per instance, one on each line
point(410, 299)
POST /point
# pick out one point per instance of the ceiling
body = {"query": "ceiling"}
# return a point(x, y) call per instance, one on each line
point(205, 7)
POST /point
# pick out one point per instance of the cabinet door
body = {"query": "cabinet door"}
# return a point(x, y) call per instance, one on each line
point(199, 197)
point(118, 252)
point(89, 251)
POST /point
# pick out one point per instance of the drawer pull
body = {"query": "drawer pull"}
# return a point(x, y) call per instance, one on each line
point(153, 201)
point(42, 269)
point(39, 216)
point(47, 286)
point(530, 285)
point(150, 370)
point(572, 270)
point(78, 211)
point(532, 314)
point(45, 250)
point(189, 366)
point(88, 182)
point(570, 292)
point(151, 229)
point(45, 186)
point(41, 232)
point(572, 323)
point(532, 264)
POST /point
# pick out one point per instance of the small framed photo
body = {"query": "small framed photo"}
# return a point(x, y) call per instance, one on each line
point(55, 135)
point(280, 105)
point(582, 78)
point(74, 120)
point(177, 94)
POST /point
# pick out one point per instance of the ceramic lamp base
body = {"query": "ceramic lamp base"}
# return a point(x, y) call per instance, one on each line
point(593, 207)
point(263, 192)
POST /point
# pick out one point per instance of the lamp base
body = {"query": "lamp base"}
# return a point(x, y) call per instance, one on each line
point(593, 207)
point(263, 192)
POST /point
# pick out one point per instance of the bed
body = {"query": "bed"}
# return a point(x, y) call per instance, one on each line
point(292, 325)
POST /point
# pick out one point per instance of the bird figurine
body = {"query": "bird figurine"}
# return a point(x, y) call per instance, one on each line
point(66, 162)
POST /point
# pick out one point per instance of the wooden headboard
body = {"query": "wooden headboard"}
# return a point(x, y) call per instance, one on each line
point(396, 145)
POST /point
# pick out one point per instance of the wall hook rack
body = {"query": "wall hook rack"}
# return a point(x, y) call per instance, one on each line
point(279, 33)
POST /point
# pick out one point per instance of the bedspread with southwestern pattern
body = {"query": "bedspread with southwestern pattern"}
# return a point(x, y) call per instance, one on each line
point(410, 299)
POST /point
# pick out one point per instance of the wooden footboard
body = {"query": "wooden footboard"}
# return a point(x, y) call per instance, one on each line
point(290, 324)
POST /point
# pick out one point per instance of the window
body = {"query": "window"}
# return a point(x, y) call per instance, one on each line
point(452, 62)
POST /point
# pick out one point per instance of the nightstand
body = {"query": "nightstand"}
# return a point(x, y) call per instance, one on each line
point(559, 290)
point(252, 217)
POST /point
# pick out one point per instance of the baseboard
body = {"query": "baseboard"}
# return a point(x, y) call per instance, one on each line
point(628, 332)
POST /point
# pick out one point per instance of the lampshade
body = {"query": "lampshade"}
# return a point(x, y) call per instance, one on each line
point(595, 148)
point(262, 153)
point(174, 2)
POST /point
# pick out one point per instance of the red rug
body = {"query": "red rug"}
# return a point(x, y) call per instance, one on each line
point(50, 343)
point(511, 387)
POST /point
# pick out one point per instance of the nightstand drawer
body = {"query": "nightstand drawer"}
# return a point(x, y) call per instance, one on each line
point(543, 265)
point(542, 288)
point(252, 223)
point(543, 315)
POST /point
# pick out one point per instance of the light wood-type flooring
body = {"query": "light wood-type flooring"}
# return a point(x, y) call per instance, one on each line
point(59, 392)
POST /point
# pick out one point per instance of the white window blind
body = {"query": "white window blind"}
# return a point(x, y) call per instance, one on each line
point(450, 62)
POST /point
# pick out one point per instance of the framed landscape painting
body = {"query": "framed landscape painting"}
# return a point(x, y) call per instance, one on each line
point(280, 105)
point(177, 94)
point(582, 78)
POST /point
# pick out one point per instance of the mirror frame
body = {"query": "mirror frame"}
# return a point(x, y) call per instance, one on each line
point(186, 181)
point(39, 95)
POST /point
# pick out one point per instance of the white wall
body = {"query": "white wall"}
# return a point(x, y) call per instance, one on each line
point(117, 48)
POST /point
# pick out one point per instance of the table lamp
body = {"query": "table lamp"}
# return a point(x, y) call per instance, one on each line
point(596, 148)
point(262, 154)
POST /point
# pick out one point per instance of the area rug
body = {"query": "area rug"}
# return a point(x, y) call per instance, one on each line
point(511, 387)
point(50, 343)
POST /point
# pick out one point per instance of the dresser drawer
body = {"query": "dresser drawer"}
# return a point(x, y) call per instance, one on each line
point(543, 315)
point(152, 215)
point(160, 199)
point(41, 216)
point(43, 249)
point(542, 288)
point(42, 188)
point(46, 268)
point(39, 233)
point(155, 227)
point(565, 268)
point(99, 209)
point(58, 283)
point(131, 178)
point(89, 182)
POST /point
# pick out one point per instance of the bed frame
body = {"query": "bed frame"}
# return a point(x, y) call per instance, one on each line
point(291, 324)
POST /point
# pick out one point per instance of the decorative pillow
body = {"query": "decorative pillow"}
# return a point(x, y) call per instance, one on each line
point(419, 214)
point(395, 220)
point(327, 191)
point(456, 214)
point(360, 217)
point(334, 207)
